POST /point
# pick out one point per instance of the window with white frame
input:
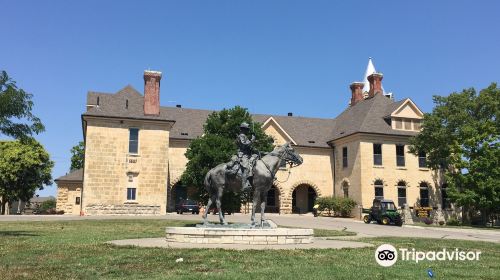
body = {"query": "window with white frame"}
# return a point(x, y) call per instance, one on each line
point(131, 192)
point(379, 189)
point(401, 193)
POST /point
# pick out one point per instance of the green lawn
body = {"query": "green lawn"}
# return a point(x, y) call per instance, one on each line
point(76, 250)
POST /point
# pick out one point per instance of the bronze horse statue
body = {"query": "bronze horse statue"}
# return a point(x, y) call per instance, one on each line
point(264, 171)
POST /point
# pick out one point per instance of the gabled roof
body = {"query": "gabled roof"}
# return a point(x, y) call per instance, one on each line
point(188, 122)
point(310, 132)
point(402, 104)
point(271, 121)
point(304, 131)
point(126, 103)
point(392, 107)
point(73, 176)
point(367, 116)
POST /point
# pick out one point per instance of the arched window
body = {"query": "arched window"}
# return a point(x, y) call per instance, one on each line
point(424, 194)
point(379, 189)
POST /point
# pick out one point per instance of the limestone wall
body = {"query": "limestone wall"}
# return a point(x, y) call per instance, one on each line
point(348, 178)
point(316, 172)
point(391, 174)
point(124, 209)
point(110, 169)
point(361, 173)
point(177, 160)
point(67, 194)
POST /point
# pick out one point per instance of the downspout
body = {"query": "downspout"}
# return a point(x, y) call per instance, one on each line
point(334, 175)
point(84, 130)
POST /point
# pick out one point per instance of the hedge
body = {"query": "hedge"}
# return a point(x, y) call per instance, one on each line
point(336, 206)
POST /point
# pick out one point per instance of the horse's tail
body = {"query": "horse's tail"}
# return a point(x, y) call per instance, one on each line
point(208, 181)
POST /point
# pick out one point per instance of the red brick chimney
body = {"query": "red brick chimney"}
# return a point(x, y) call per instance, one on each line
point(356, 92)
point(375, 80)
point(152, 92)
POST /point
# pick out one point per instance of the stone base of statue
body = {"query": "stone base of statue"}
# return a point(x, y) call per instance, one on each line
point(268, 234)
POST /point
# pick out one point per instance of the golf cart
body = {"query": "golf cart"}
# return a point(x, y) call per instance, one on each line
point(383, 211)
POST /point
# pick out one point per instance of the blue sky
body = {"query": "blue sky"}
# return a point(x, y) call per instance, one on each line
point(268, 56)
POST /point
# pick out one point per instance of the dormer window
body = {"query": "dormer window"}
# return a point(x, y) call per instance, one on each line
point(126, 104)
point(406, 124)
point(406, 117)
point(398, 123)
point(417, 125)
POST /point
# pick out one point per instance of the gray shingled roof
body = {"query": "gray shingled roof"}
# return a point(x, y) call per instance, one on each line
point(73, 176)
point(115, 105)
point(393, 106)
point(312, 132)
point(305, 131)
point(366, 116)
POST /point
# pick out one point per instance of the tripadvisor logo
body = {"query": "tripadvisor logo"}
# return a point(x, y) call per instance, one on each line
point(387, 255)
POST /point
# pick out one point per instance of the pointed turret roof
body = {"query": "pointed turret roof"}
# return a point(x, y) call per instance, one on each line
point(370, 69)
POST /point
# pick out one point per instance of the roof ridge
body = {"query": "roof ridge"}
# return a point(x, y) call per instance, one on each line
point(256, 114)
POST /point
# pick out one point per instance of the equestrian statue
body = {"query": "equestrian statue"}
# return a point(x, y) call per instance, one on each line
point(245, 171)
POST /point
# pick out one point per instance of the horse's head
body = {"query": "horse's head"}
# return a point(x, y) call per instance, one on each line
point(290, 155)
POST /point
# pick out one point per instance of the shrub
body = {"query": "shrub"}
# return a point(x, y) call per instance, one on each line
point(441, 223)
point(325, 204)
point(48, 204)
point(453, 222)
point(346, 206)
point(336, 205)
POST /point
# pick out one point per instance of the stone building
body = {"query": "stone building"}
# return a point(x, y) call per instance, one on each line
point(134, 153)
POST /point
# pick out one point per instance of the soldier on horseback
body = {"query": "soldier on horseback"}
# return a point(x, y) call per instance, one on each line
point(246, 156)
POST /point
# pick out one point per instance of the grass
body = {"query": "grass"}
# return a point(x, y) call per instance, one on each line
point(76, 250)
point(328, 233)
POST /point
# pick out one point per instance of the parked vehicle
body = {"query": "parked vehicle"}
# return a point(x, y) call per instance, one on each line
point(383, 212)
point(187, 205)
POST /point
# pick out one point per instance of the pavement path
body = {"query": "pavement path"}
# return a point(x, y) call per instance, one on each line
point(306, 221)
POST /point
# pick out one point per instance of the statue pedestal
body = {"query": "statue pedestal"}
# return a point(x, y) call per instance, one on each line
point(238, 234)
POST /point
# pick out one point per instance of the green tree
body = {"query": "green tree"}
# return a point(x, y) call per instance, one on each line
point(217, 145)
point(24, 168)
point(48, 204)
point(77, 156)
point(15, 108)
point(461, 137)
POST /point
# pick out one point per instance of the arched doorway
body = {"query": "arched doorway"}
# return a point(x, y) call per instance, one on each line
point(303, 197)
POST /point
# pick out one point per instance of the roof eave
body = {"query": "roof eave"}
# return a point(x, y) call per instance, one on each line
point(84, 116)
